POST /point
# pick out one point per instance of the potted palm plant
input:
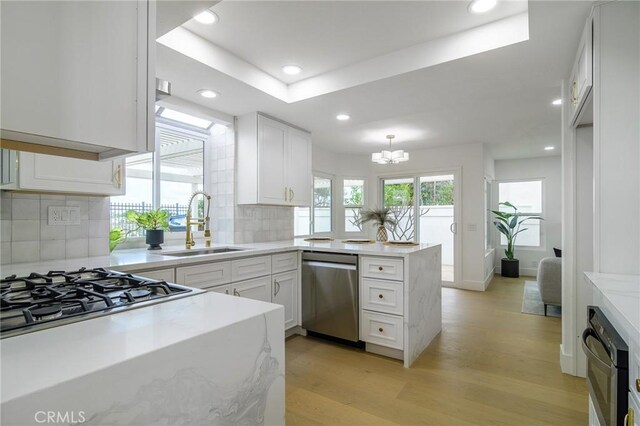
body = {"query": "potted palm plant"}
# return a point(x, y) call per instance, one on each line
point(380, 218)
point(510, 225)
point(154, 222)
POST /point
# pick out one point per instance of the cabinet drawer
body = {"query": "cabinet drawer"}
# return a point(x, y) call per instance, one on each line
point(244, 269)
point(382, 329)
point(284, 262)
point(167, 275)
point(387, 268)
point(383, 296)
point(224, 289)
point(204, 276)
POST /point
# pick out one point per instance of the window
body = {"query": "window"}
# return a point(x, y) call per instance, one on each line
point(353, 201)
point(318, 219)
point(527, 197)
point(322, 191)
point(165, 178)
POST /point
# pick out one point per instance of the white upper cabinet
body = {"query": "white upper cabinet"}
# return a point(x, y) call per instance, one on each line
point(274, 162)
point(49, 173)
point(78, 75)
point(581, 79)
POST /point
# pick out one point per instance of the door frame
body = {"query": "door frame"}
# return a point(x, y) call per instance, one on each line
point(456, 171)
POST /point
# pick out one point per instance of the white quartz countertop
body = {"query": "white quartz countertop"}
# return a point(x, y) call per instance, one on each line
point(622, 292)
point(84, 347)
point(143, 259)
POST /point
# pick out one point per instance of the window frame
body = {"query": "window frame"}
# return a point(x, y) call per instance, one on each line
point(343, 207)
point(191, 131)
point(311, 230)
point(542, 237)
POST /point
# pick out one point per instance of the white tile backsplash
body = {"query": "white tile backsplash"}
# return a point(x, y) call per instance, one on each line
point(26, 237)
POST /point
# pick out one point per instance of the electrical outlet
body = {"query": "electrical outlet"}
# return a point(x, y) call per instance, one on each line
point(62, 215)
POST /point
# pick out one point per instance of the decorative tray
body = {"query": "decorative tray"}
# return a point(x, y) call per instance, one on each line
point(358, 241)
point(319, 239)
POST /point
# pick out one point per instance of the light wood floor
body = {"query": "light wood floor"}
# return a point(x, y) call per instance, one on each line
point(491, 365)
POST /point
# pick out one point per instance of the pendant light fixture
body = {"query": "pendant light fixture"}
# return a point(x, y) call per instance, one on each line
point(390, 157)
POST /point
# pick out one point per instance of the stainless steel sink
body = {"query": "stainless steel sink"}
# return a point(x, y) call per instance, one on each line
point(198, 252)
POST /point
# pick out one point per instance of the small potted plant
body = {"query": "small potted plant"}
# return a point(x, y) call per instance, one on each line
point(380, 218)
point(154, 222)
point(116, 236)
point(509, 224)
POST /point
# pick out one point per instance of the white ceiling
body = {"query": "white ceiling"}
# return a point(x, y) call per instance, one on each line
point(500, 97)
point(323, 36)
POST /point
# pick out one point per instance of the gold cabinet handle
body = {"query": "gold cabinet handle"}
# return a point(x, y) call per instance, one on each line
point(117, 176)
point(629, 418)
point(381, 329)
point(291, 194)
point(380, 296)
point(235, 292)
point(286, 193)
point(380, 268)
point(638, 385)
point(276, 290)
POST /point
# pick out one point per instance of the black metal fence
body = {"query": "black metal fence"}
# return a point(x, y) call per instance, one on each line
point(118, 219)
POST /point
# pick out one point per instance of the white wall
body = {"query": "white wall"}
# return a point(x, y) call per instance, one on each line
point(548, 169)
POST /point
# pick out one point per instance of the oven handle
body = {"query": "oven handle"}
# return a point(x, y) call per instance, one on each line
point(593, 357)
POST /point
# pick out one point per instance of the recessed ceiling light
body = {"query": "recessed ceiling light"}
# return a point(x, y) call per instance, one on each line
point(208, 93)
point(557, 102)
point(207, 17)
point(343, 117)
point(291, 69)
point(482, 6)
point(549, 148)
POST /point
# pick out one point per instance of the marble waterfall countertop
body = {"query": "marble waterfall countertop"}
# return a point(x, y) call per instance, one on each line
point(142, 259)
point(621, 296)
point(40, 360)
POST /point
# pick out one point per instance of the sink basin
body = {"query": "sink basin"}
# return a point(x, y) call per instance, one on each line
point(197, 252)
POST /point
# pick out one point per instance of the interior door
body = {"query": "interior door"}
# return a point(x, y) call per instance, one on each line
point(272, 136)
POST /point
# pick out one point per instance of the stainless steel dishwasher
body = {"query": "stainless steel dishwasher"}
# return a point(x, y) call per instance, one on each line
point(330, 294)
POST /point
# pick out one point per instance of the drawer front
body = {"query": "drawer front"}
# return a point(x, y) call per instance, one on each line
point(386, 268)
point(383, 296)
point(204, 276)
point(257, 289)
point(284, 262)
point(224, 289)
point(381, 329)
point(253, 267)
point(167, 275)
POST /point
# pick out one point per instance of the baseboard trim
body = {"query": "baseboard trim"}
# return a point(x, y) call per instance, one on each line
point(488, 278)
point(567, 362)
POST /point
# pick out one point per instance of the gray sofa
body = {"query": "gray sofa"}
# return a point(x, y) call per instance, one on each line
point(550, 281)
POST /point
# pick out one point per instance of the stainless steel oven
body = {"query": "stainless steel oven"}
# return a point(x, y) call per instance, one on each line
point(607, 368)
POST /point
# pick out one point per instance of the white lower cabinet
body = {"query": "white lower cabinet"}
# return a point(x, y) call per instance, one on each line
point(204, 276)
point(382, 296)
point(284, 291)
point(382, 329)
point(257, 289)
point(167, 275)
point(224, 289)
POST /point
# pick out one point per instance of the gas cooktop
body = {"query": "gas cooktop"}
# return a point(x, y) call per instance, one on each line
point(40, 301)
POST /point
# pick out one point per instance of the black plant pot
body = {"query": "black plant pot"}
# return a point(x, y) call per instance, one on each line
point(155, 237)
point(510, 268)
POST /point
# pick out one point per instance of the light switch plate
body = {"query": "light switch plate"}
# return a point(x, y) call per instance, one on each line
point(62, 215)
